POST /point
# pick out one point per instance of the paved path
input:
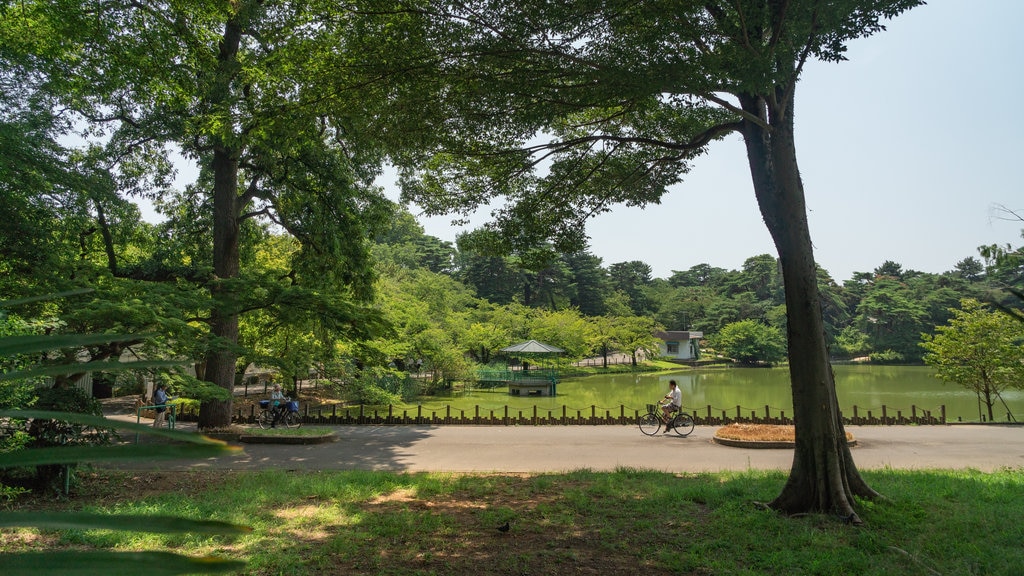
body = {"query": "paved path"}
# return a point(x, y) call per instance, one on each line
point(604, 448)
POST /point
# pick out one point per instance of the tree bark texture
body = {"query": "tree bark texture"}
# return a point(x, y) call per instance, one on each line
point(823, 477)
point(220, 360)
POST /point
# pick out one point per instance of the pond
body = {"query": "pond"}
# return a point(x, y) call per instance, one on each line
point(869, 388)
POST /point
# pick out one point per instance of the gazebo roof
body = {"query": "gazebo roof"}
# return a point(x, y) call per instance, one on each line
point(533, 347)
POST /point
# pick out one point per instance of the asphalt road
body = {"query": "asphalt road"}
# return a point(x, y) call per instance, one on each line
point(526, 449)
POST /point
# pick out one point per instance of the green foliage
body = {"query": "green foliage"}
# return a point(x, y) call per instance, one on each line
point(751, 342)
point(851, 343)
point(379, 387)
point(73, 431)
point(887, 357)
point(179, 384)
point(979, 349)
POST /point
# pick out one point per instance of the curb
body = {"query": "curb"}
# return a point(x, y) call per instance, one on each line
point(760, 444)
point(261, 439)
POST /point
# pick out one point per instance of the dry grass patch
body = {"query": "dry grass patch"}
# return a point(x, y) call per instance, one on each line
point(761, 433)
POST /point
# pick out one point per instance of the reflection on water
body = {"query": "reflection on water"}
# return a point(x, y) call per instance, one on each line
point(898, 388)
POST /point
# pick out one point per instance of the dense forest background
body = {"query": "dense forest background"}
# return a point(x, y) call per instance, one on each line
point(881, 313)
point(284, 252)
point(450, 306)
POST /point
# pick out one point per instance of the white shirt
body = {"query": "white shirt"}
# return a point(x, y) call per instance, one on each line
point(676, 396)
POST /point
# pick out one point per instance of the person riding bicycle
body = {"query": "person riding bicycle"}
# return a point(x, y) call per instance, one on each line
point(674, 402)
point(278, 404)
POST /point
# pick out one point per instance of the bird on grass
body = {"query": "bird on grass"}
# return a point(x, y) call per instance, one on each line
point(505, 527)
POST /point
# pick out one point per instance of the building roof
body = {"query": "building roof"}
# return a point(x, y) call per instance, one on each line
point(533, 347)
point(676, 335)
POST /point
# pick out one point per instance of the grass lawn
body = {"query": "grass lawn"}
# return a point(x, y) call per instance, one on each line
point(627, 522)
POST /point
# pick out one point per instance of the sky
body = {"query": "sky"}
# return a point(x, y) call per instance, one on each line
point(905, 151)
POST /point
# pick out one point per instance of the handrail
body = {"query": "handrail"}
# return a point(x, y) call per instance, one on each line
point(171, 416)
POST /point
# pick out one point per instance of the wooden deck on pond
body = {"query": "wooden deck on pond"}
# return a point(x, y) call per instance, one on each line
point(541, 382)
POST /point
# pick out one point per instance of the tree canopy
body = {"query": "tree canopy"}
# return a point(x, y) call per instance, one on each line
point(565, 109)
point(981, 350)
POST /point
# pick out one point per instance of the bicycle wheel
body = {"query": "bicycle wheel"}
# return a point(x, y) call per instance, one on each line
point(649, 423)
point(264, 419)
point(682, 424)
point(292, 420)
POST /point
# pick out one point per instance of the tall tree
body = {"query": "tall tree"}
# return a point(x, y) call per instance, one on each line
point(589, 287)
point(980, 350)
point(631, 278)
point(254, 92)
point(611, 100)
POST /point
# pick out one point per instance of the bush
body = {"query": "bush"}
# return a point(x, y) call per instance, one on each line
point(751, 342)
point(886, 357)
point(46, 433)
point(380, 387)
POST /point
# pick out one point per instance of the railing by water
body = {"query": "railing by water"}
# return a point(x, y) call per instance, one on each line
point(566, 416)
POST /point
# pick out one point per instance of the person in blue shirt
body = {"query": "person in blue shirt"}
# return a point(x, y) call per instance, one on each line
point(278, 404)
point(160, 399)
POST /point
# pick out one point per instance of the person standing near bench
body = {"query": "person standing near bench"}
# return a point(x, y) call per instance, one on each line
point(160, 399)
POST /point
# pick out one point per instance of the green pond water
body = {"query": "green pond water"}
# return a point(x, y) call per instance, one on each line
point(869, 388)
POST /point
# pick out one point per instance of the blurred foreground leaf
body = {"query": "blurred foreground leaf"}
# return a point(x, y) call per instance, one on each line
point(133, 523)
point(104, 366)
point(192, 445)
point(135, 453)
point(36, 343)
point(69, 563)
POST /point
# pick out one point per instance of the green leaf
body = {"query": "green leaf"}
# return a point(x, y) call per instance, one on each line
point(58, 369)
point(101, 422)
point(194, 445)
point(13, 303)
point(133, 453)
point(75, 563)
point(133, 523)
point(36, 343)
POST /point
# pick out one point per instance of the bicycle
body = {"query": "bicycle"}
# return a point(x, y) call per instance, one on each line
point(652, 422)
point(289, 414)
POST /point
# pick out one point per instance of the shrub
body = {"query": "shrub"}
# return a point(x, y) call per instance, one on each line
point(886, 357)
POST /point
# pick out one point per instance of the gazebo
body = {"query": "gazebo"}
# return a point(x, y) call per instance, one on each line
point(532, 382)
point(533, 347)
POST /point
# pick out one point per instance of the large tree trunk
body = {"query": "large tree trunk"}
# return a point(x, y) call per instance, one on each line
point(823, 477)
point(220, 360)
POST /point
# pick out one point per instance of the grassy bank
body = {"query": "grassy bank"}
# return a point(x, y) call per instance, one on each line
point(629, 522)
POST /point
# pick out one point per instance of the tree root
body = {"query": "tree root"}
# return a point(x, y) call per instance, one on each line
point(851, 518)
point(913, 559)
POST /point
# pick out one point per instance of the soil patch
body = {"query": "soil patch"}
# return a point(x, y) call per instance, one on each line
point(761, 436)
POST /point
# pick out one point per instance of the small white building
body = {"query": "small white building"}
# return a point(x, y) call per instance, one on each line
point(679, 344)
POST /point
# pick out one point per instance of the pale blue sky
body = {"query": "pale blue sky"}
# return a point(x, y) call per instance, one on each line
point(904, 150)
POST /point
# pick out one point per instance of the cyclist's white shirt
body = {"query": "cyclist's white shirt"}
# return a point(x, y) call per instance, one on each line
point(676, 396)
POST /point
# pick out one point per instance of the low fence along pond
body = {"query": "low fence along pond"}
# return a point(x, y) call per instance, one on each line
point(565, 417)
point(867, 395)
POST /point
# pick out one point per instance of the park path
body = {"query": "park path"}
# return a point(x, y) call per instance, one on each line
point(533, 449)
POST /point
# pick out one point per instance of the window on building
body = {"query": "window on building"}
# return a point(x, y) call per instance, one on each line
point(673, 347)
